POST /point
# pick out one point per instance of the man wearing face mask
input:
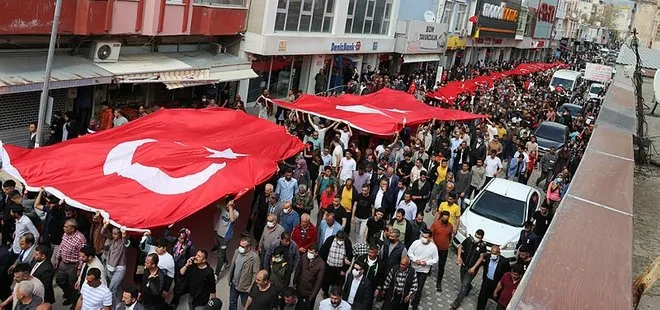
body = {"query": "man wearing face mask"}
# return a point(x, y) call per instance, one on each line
point(392, 249)
point(242, 272)
point(271, 234)
point(495, 266)
point(469, 257)
point(358, 291)
point(289, 218)
point(423, 254)
point(309, 277)
point(375, 270)
point(287, 247)
point(337, 252)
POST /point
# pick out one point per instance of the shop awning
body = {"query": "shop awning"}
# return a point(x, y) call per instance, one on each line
point(420, 58)
point(24, 72)
point(177, 70)
point(215, 77)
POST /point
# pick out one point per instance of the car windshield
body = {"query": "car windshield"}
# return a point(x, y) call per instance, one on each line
point(500, 209)
point(553, 133)
point(595, 89)
point(564, 83)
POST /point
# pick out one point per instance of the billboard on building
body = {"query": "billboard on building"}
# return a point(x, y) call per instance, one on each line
point(497, 19)
point(545, 19)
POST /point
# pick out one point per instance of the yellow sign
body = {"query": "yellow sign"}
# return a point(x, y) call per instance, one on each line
point(455, 42)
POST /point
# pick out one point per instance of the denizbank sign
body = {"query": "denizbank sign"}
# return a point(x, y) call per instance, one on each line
point(345, 47)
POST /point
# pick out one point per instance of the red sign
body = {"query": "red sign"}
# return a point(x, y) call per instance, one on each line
point(546, 13)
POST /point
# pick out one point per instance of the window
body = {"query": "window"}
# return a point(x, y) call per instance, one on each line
point(239, 3)
point(460, 17)
point(304, 15)
point(446, 13)
point(368, 16)
point(522, 22)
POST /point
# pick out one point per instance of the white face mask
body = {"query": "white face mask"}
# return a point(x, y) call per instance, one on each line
point(311, 255)
point(241, 250)
point(494, 257)
point(356, 273)
point(424, 240)
point(278, 259)
point(270, 224)
point(340, 242)
point(287, 211)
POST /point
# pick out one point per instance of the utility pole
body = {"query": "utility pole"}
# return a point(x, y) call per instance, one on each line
point(637, 82)
point(43, 102)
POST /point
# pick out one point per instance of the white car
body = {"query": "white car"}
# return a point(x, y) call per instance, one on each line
point(594, 90)
point(501, 210)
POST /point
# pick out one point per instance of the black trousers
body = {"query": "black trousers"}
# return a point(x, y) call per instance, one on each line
point(487, 288)
point(332, 276)
point(307, 302)
point(421, 280)
point(392, 303)
point(442, 260)
point(543, 176)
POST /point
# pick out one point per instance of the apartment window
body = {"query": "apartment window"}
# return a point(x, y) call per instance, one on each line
point(522, 21)
point(460, 17)
point(239, 3)
point(304, 15)
point(446, 13)
point(368, 16)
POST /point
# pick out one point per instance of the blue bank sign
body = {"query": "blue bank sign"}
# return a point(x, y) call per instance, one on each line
point(345, 47)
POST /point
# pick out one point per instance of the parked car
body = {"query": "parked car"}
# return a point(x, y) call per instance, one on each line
point(594, 90)
point(501, 210)
point(551, 134)
point(573, 109)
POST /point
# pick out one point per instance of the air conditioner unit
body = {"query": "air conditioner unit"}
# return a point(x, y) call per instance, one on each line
point(104, 51)
point(216, 49)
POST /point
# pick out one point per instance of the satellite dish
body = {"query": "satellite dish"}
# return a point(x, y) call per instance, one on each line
point(429, 17)
point(103, 52)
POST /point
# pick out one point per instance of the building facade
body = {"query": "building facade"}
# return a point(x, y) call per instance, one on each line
point(290, 42)
point(123, 54)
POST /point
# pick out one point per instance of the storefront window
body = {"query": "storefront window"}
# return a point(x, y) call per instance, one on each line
point(278, 73)
point(368, 16)
point(304, 15)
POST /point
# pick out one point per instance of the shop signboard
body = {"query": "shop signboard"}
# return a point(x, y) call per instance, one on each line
point(456, 42)
point(545, 19)
point(423, 37)
point(497, 19)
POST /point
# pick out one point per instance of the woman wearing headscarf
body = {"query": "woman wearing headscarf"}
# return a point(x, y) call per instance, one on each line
point(301, 173)
point(181, 251)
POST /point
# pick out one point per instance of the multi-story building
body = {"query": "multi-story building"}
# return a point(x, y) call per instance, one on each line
point(290, 41)
point(493, 30)
point(646, 20)
point(122, 53)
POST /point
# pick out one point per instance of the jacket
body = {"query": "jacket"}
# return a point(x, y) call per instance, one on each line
point(424, 192)
point(391, 276)
point(122, 306)
point(306, 203)
point(548, 162)
point(394, 258)
point(248, 272)
point(325, 250)
point(502, 267)
point(291, 252)
point(388, 200)
point(45, 273)
point(311, 236)
point(376, 272)
point(364, 296)
point(309, 276)
point(478, 177)
point(280, 275)
point(323, 227)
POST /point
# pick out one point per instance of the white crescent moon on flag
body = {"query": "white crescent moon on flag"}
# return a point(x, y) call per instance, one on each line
point(120, 161)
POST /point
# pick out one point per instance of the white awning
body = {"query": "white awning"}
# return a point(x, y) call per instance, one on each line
point(164, 77)
point(420, 58)
point(215, 77)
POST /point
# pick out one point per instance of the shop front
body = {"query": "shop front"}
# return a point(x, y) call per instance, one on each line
point(532, 49)
point(494, 33)
point(543, 24)
point(311, 64)
point(421, 47)
point(455, 53)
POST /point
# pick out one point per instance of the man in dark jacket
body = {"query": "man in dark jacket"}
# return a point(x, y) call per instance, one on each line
point(43, 270)
point(399, 294)
point(153, 284)
point(529, 238)
point(406, 233)
point(374, 270)
point(362, 297)
point(392, 250)
point(309, 277)
point(495, 266)
point(420, 190)
point(337, 252)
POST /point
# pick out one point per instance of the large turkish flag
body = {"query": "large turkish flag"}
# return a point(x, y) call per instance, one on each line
point(158, 169)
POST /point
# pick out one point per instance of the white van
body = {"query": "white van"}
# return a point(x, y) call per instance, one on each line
point(569, 80)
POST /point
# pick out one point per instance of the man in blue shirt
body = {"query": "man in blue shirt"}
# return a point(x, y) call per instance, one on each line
point(495, 266)
point(287, 186)
point(290, 219)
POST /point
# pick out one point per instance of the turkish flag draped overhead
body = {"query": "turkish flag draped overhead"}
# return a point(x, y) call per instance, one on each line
point(159, 169)
point(384, 112)
point(452, 89)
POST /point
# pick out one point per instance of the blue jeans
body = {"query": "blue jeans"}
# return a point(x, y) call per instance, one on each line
point(466, 285)
point(234, 295)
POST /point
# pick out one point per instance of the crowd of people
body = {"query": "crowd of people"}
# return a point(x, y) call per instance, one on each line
point(344, 219)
